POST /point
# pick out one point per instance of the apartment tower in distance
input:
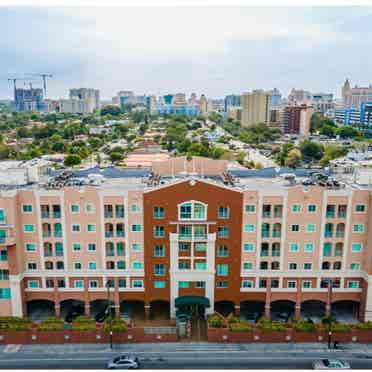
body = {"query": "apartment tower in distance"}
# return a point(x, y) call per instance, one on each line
point(256, 107)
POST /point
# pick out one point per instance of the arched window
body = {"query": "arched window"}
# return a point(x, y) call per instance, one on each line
point(339, 248)
point(337, 265)
point(263, 265)
point(265, 230)
point(192, 210)
point(326, 265)
point(275, 265)
point(340, 230)
point(58, 230)
point(110, 265)
point(277, 228)
point(328, 232)
point(110, 249)
point(121, 265)
point(48, 265)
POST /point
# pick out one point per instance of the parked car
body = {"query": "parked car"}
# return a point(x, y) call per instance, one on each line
point(331, 364)
point(123, 362)
point(73, 313)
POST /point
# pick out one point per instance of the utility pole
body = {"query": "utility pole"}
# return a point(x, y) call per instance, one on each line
point(109, 308)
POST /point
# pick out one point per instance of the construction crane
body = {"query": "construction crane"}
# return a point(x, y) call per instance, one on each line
point(44, 76)
point(15, 79)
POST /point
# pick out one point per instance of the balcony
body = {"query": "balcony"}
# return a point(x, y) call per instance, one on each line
point(109, 234)
point(7, 236)
point(109, 214)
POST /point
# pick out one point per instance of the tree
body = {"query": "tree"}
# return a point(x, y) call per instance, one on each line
point(293, 159)
point(347, 132)
point(115, 156)
point(311, 150)
point(72, 160)
point(332, 152)
point(110, 110)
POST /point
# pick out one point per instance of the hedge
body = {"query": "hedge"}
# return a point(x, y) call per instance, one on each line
point(117, 325)
point(267, 325)
point(240, 327)
point(51, 324)
point(304, 326)
point(83, 323)
point(215, 321)
point(366, 325)
point(10, 323)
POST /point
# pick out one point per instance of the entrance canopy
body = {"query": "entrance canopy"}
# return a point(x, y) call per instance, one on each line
point(192, 300)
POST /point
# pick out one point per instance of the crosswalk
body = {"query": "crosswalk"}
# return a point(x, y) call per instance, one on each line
point(12, 348)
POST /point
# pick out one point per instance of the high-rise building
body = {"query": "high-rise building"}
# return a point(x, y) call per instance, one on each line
point(179, 99)
point(89, 96)
point(189, 239)
point(256, 107)
point(299, 96)
point(151, 104)
point(354, 97)
point(28, 99)
point(276, 97)
point(203, 104)
point(296, 119)
point(232, 100)
point(322, 102)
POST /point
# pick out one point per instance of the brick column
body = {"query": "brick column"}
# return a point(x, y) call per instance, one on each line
point(298, 300)
point(86, 297)
point(57, 302)
point(117, 299)
point(328, 304)
point(268, 300)
point(237, 310)
point(147, 310)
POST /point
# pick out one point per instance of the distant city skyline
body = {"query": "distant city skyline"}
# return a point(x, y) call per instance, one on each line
point(208, 50)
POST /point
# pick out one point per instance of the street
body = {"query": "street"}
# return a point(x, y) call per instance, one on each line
point(178, 356)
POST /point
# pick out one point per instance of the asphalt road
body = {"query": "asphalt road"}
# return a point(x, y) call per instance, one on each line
point(176, 360)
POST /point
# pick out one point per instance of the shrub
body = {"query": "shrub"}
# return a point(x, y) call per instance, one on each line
point(215, 321)
point(51, 324)
point(83, 323)
point(340, 327)
point(118, 325)
point(267, 325)
point(365, 325)
point(83, 319)
point(304, 326)
point(233, 319)
point(240, 327)
point(10, 323)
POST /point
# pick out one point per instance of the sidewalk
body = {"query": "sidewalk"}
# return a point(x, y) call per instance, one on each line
point(193, 347)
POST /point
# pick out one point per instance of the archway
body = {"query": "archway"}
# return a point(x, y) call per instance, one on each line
point(252, 311)
point(225, 308)
point(345, 311)
point(282, 310)
point(97, 307)
point(159, 310)
point(132, 310)
point(38, 310)
point(72, 308)
point(314, 310)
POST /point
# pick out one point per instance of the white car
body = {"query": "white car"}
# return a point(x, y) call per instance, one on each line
point(123, 362)
point(324, 364)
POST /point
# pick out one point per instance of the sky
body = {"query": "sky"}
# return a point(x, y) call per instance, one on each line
point(210, 50)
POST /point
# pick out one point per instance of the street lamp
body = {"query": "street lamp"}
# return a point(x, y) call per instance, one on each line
point(109, 309)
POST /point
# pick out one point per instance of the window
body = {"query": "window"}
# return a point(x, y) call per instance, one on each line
point(5, 294)
point(91, 227)
point(294, 247)
point(296, 208)
point(59, 249)
point(78, 284)
point(30, 247)
point(3, 255)
point(222, 251)
point(75, 208)
point(121, 265)
point(353, 284)
point(33, 284)
point(108, 211)
point(292, 284)
point(222, 284)
point(137, 283)
point(159, 232)
point(306, 284)
point(358, 228)
point(223, 232)
point(27, 208)
point(200, 265)
point(292, 266)
point(92, 247)
point(159, 250)
point(200, 247)
point(75, 227)
point(355, 266)
point(222, 269)
point(110, 283)
point(247, 284)
point(309, 247)
point(89, 208)
point(262, 283)
point(158, 212)
point(248, 265)
point(135, 208)
point(2, 215)
point(192, 211)
point(308, 266)
point(49, 283)
point(32, 266)
point(122, 283)
point(249, 228)
point(28, 228)
point(250, 208)
point(184, 246)
point(248, 247)
point(356, 247)
point(183, 265)
point(4, 274)
point(136, 228)
point(92, 266)
point(136, 247)
point(223, 212)
point(159, 284)
point(137, 265)
point(93, 284)
point(119, 211)
point(327, 249)
point(310, 227)
point(311, 208)
point(159, 269)
point(295, 228)
point(76, 247)
point(183, 284)
point(360, 208)
point(77, 266)
point(61, 283)
point(199, 284)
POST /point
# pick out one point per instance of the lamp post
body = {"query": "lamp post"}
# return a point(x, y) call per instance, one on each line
point(109, 309)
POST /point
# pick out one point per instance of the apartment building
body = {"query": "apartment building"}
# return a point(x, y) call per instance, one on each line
point(256, 107)
point(180, 236)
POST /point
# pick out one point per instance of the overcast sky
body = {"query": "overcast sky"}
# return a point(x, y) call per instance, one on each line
point(210, 50)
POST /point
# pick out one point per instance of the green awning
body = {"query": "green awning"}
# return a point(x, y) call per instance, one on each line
point(192, 300)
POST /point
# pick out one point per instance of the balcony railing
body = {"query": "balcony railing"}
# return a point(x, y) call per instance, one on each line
point(45, 214)
point(109, 214)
